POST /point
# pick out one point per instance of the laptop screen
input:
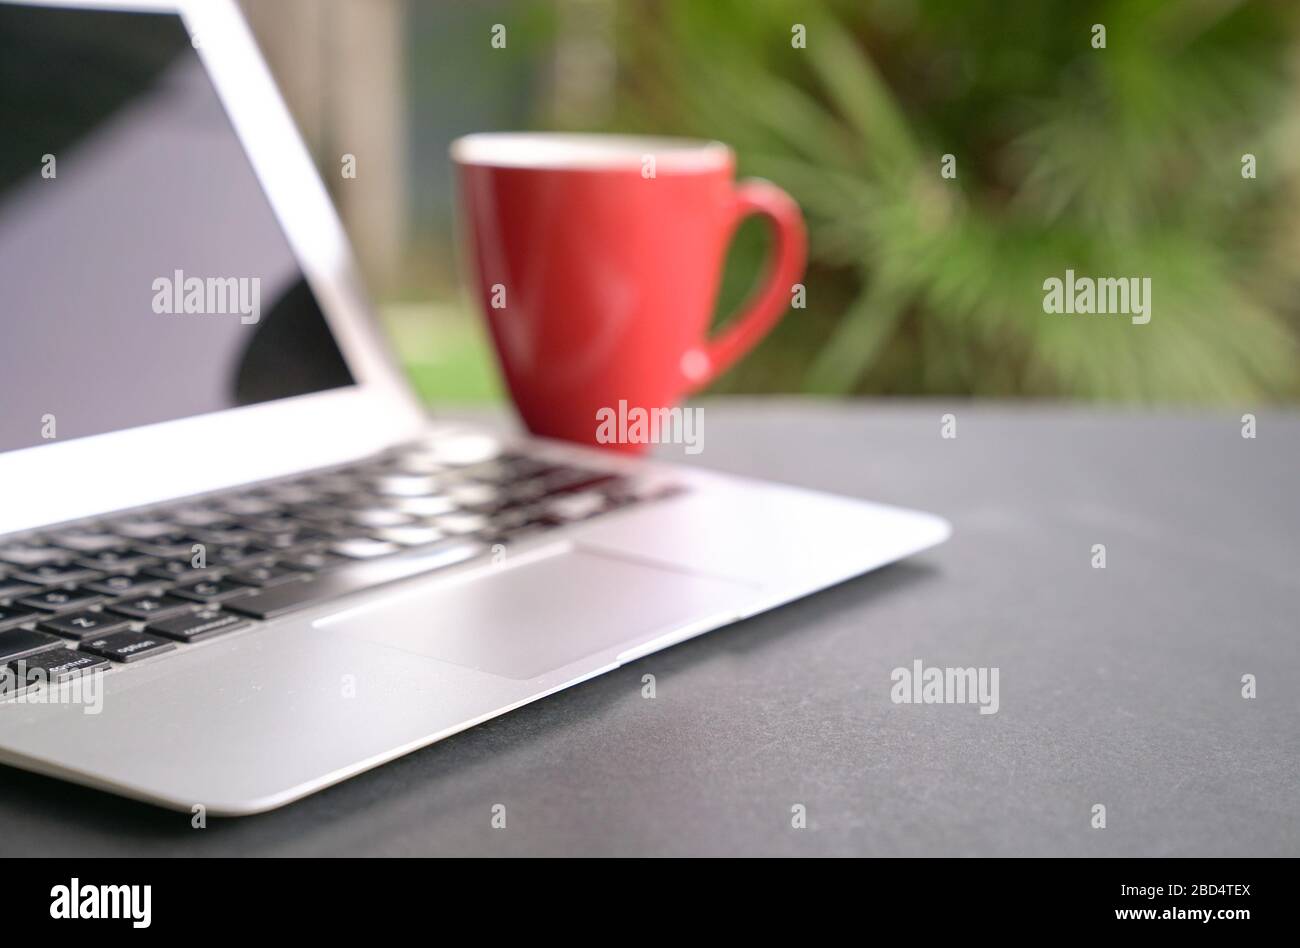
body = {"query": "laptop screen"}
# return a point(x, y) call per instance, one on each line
point(143, 275)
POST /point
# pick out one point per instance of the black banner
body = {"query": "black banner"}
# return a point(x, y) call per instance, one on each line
point(331, 897)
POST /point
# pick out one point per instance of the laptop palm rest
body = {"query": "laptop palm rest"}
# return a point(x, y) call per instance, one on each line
point(522, 621)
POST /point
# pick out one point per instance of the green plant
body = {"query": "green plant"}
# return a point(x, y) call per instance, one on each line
point(1123, 161)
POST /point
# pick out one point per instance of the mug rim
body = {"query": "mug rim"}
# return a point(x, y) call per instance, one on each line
point(589, 151)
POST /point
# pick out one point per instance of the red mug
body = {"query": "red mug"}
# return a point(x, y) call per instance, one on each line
point(597, 259)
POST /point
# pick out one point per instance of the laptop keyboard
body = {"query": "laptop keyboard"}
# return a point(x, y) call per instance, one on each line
point(121, 588)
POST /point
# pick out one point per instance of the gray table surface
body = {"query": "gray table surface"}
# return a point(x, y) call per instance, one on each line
point(1119, 686)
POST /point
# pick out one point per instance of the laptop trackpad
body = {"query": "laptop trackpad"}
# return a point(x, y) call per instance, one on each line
point(524, 620)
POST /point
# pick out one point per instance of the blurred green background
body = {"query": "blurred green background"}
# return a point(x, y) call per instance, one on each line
point(1119, 161)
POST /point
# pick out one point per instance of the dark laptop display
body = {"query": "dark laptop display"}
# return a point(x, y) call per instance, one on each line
point(143, 274)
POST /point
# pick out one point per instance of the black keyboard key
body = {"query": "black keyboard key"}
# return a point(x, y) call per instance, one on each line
point(236, 555)
point(416, 462)
point(170, 546)
point(88, 543)
point(53, 574)
point(303, 532)
point(142, 528)
point(179, 571)
point(270, 524)
point(288, 539)
point(126, 585)
point(342, 531)
point(18, 642)
point(146, 608)
point(378, 517)
point(197, 626)
point(522, 518)
point(461, 524)
point(404, 485)
point(321, 513)
point(263, 576)
point(363, 548)
point(314, 561)
point(61, 600)
point(11, 616)
point(10, 587)
point(232, 535)
point(521, 466)
point(194, 517)
point(249, 505)
point(128, 646)
point(208, 591)
point(55, 665)
point(353, 578)
point(429, 506)
point(334, 484)
point(30, 555)
point(468, 448)
point(117, 561)
point(522, 493)
point(491, 473)
point(80, 625)
point(474, 495)
point(416, 534)
point(291, 495)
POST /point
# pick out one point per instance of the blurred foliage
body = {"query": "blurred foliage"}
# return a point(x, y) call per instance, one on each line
point(1123, 161)
point(445, 350)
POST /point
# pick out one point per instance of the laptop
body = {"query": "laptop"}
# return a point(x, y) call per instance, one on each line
point(239, 561)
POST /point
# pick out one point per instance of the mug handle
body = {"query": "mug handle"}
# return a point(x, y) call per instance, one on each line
point(785, 266)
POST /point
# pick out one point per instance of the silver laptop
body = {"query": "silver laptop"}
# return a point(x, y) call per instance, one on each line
point(238, 561)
